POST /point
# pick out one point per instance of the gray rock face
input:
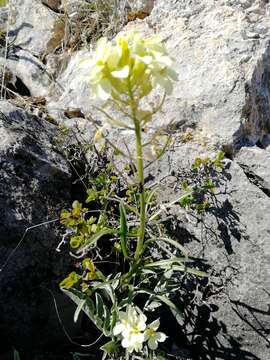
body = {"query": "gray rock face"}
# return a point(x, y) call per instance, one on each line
point(29, 75)
point(140, 5)
point(221, 54)
point(34, 186)
point(33, 26)
point(256, 164)
point(231, 318)
point(75, 92)
point(53, 4)
point(3, 17)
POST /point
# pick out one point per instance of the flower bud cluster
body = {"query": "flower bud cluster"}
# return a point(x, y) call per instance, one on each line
point(128, 65)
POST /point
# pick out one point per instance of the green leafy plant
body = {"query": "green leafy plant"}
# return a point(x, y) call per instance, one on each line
point(126, 260)
point(207, 172)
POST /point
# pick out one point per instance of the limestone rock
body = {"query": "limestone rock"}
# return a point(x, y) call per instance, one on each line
point(221, 53)
point(222, 56)
point(75, 93)
point(53, 4)
point(3, 17)
point(29, 74)
point(231, 240)
point(71, 6)
point(33, 26)
point(34, 186)
point(145, 6)
point(256, 164)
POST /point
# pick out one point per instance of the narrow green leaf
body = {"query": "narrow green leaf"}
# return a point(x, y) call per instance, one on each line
point(123, 229)
point(165, 263)
point(162, 298)
point(149, 198)
point(108, 290)
point(220, 155)
point(189, 270)
point(94, 239)
point(78, 310)
point(89, 309)
point(148, 271)
point(175, 244)
point(169, 303)
point(113, 319)
point(106, 322)
point(99, 305)
point(186, 199)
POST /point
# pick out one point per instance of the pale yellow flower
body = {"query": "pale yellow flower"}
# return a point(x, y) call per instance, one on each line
point(152, 336)
point(131, 329)
point(133, 342)
point(99, 84)
point(129, 64)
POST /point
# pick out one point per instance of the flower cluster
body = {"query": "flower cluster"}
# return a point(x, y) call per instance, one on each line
point(134, 332)
point(129, 64)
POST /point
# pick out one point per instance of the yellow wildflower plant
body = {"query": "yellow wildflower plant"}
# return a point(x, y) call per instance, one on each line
point(129, 64)
point(122, 73)
point(89, 269)
point(70, 280)
point(76, 241)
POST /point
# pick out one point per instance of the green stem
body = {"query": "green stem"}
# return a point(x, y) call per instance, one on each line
point(127, 355)
point(140, 172)
point(140, 175)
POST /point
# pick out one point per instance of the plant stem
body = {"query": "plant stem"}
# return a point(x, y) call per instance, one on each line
point(140, 176)
point(140, 171)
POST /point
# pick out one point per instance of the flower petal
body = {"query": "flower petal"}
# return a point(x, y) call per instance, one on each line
point(113, 59)
point(145, 59)
point(103, 89)
point(122, 315)
point(117, 330)
point(152, 343)
point(161, 337)
point(125, 343)
point(86, 63)
point(154, 325)
point(122, 73)
point(172, 74)
point(163, 82)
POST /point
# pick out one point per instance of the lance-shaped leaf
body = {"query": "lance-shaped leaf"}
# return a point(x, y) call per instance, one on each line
point(123, 229)
point(93, 239)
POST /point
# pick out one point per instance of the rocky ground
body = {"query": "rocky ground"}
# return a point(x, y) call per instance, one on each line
point(222, 101)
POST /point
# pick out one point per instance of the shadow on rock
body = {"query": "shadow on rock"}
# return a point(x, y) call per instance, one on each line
point(202, 336)
point(14, 33)
point(261, 319)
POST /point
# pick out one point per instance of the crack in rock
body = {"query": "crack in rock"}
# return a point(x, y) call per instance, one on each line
point(256, 180)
